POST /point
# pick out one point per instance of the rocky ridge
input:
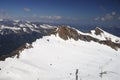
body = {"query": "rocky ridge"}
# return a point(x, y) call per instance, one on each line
point(71, 33)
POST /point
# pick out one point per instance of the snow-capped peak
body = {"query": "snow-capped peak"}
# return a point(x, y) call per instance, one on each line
point(103, 35)
point(67, 33)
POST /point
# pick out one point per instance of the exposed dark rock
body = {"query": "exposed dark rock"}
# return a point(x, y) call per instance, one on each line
point(116, 41)
point(87, 38)
point(50, 64)
point(16, 52)
point(98, 31)
point(48, 40)
point(66, 33)
point(111, 44)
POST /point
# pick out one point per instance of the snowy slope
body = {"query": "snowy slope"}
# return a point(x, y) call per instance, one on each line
point(53, 58)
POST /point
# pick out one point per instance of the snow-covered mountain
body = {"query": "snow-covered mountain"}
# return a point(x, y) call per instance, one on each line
point(16, 27)
point(66, 54)
point(15, 33)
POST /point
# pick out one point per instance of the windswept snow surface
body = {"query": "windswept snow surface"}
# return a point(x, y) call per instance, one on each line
point(53, 58)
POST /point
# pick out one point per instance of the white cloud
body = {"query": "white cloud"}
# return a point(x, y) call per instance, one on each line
point(51, 17)
point(102, 8)
point(3, 12)
point(107, 17)
point(102, 19)
point(113, 13)
point(97, 18)
point(57, 17)
point(35, 15)
point(27, 9)
point(118, 18)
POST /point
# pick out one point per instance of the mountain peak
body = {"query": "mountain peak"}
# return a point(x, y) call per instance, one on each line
point(98, 31)
point(67, 33)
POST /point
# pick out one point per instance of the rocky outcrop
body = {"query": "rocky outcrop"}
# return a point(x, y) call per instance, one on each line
point(98, 31)
point(110, 43)
point(67, 33)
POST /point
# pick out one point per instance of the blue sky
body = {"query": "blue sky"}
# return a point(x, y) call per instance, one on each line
point(62, 11)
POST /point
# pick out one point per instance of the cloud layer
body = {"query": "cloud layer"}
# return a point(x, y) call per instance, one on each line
point(108, 17)
point(51, 17)
point(27, 9)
